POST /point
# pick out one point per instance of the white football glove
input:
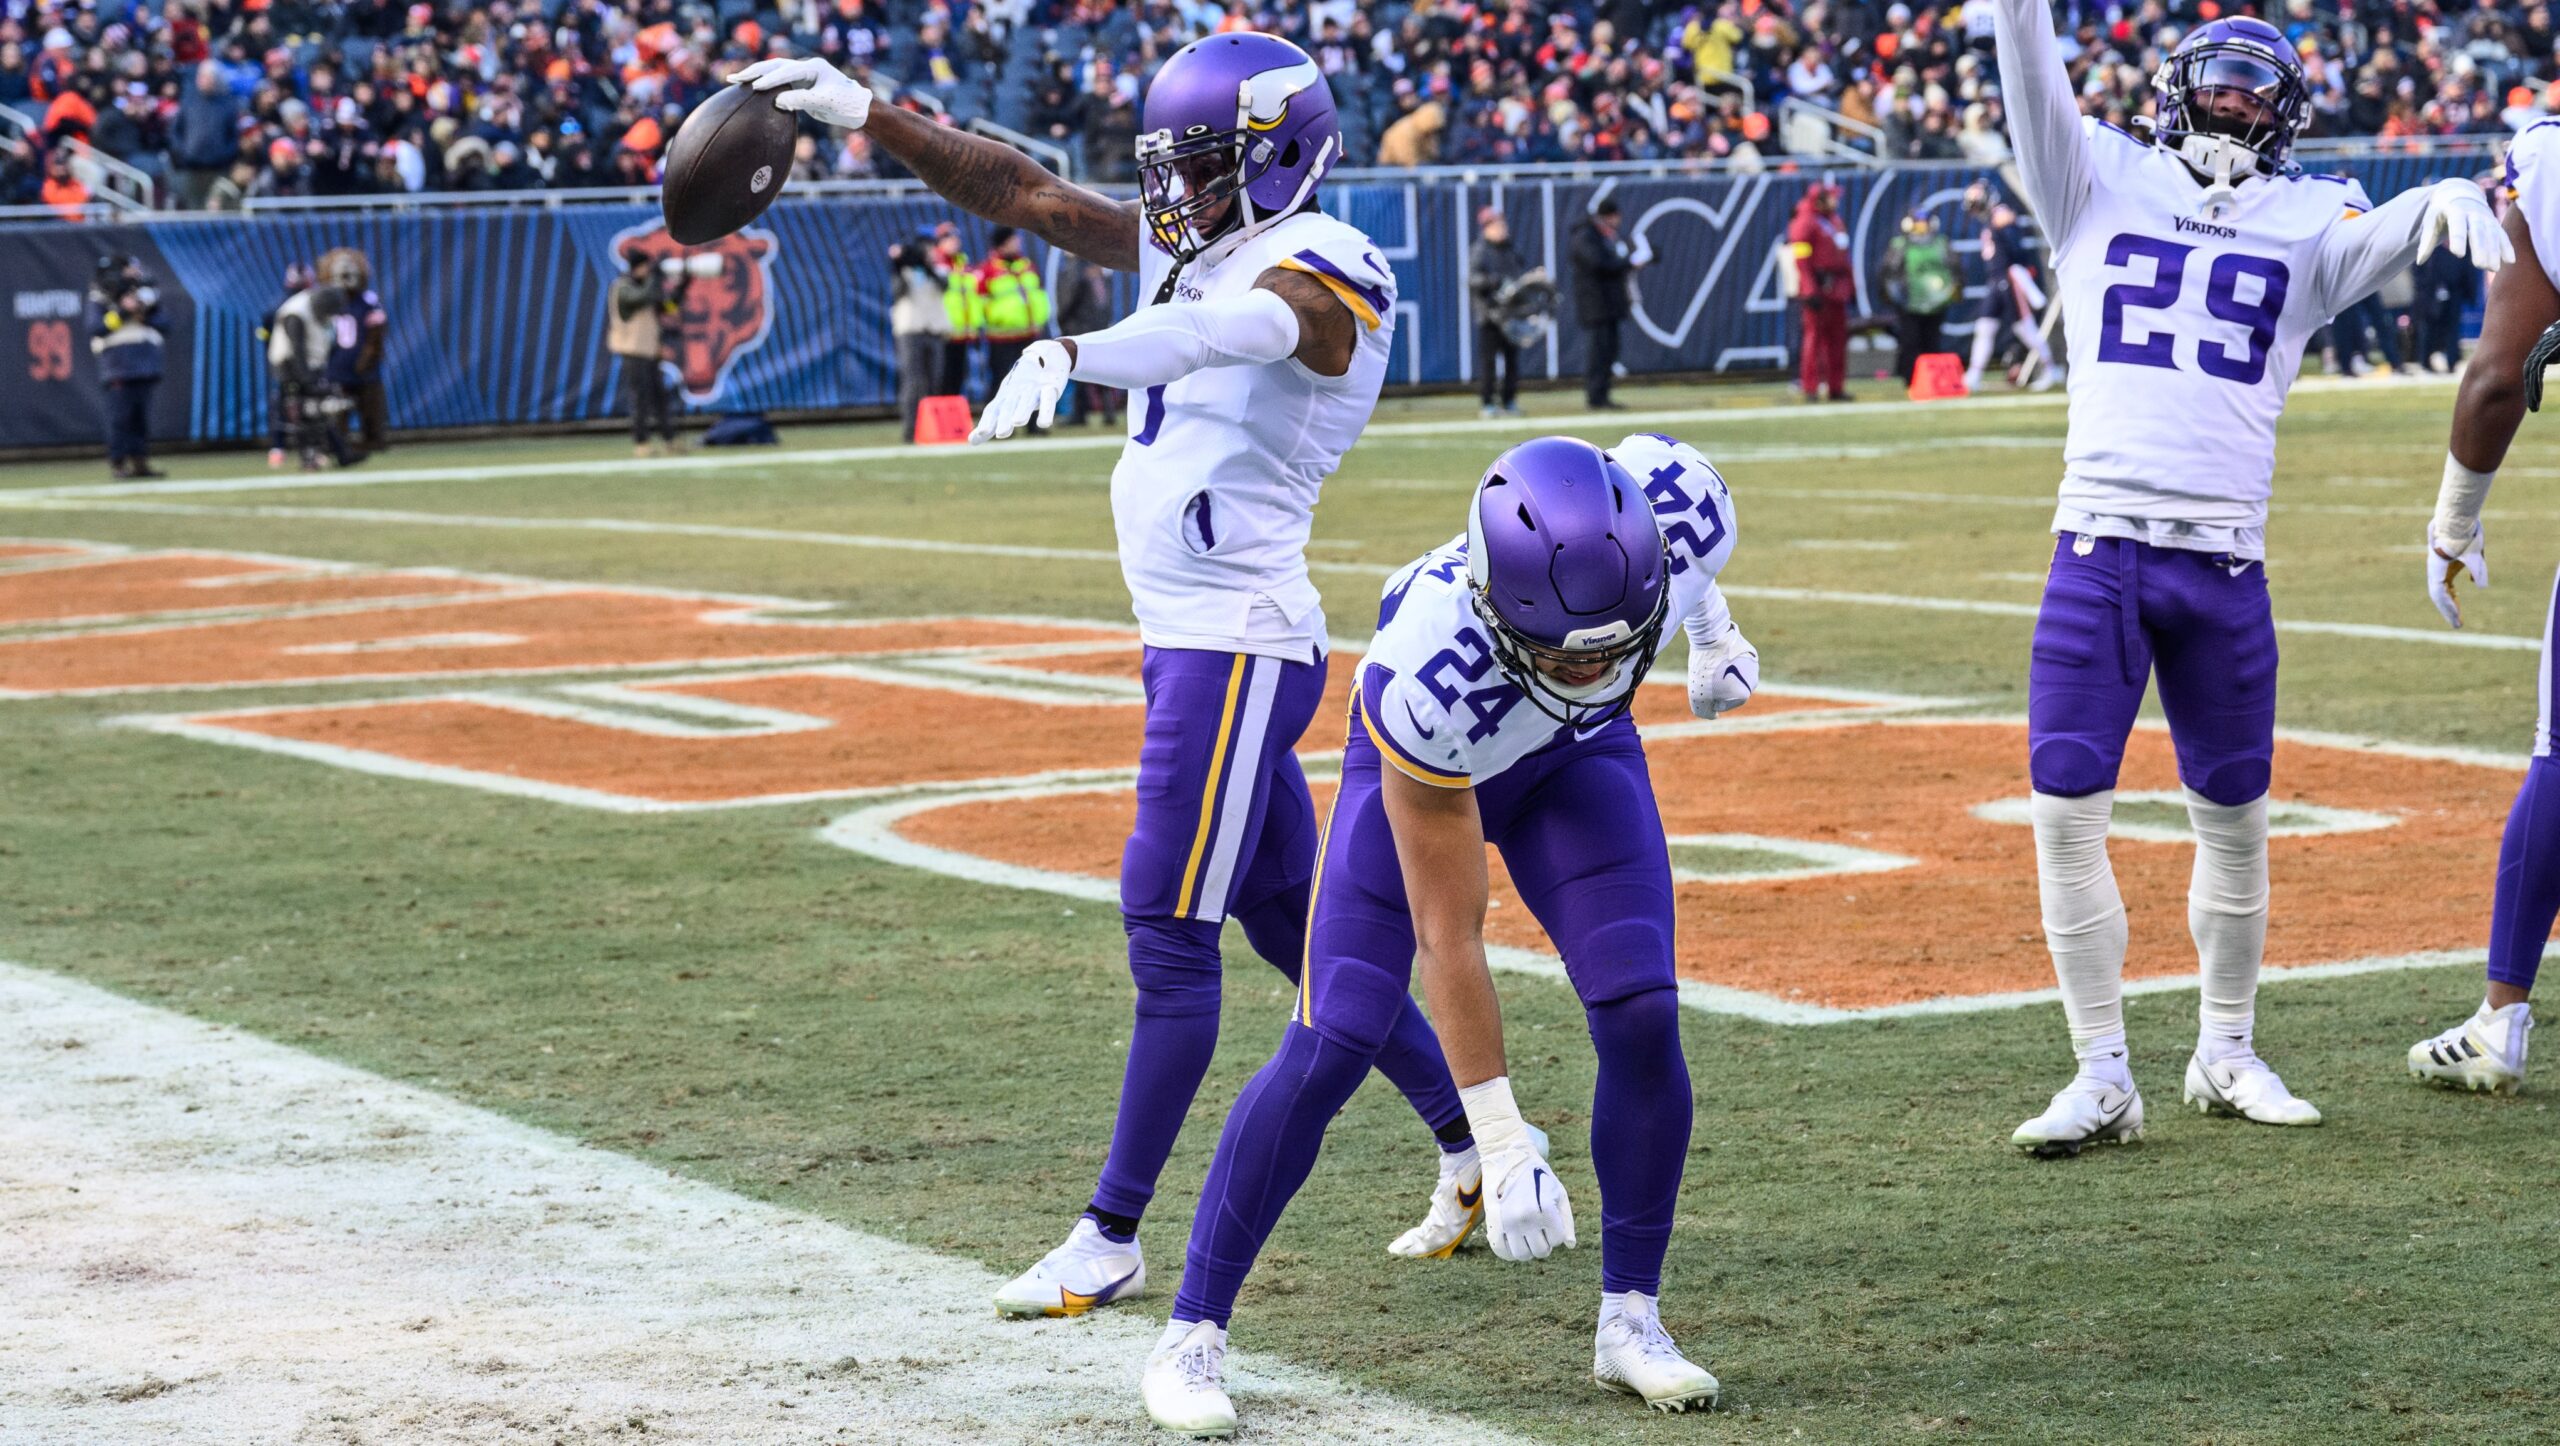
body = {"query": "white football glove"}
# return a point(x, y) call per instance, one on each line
point(827, 94)
point(2449, 560)
point(1028, 394)
point(1526, 1214)
point(2458, 218)
point(1723, 676)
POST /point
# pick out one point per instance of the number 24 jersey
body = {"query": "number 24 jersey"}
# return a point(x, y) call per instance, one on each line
point(2185, 333)
point(1433, 698)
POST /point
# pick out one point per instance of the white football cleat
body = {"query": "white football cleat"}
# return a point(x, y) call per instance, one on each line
point(1186, 1380)
point(2242, 1086)
point(2087, 1112)
point(1090, 1269)
point(1457, 1207)
point(2484, 1052)
point(1457, 1204)
point(1634, 1354)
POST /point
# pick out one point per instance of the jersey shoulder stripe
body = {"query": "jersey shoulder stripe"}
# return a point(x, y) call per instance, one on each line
point(1378, 718)
point(1365, 302)
point(2530, 154)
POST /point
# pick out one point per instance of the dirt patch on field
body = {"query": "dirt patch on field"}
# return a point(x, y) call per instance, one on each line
point(194, 582)
point(1962, 920)
point(882, 735)
point(555, 631)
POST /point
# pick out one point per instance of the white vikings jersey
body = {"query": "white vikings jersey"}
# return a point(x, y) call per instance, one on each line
point(1216, 491)
point(2533, 183)
point(1433, 698)
point(2186, 334)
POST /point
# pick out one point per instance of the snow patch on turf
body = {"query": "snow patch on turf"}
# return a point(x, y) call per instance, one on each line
point(205, 1236)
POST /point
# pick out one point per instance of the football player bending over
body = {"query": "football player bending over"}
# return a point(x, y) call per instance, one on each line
point(1250, 372)
point(2486, 1051)
point(2192, 267)
point(1494, 707)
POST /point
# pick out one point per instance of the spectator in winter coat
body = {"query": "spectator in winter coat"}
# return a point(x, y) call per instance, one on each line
point(1824, 287)
point(1604, 268)
point(207, 138)
point(1492, 265)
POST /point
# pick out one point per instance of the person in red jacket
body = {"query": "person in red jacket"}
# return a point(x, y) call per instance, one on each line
point(1824, 285)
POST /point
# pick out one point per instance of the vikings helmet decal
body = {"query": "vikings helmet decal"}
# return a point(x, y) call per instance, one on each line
point(1242, 119)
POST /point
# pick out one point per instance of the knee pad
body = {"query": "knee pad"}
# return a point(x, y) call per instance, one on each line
point(1175, 963)
point(1621, 959)
point(2071, 768)
point(2228, 781)
point(1640, 1029)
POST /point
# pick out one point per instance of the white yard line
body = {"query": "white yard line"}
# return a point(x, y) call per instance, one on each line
point(754, 458)
point(217, 1239)
point(2372, 632)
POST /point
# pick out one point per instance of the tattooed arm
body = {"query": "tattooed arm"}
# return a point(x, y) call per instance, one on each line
point(978, 175)
point(1007, 187)
point(1328, 333)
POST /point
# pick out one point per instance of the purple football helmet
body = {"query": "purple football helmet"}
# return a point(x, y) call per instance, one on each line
point(1245, 116)
point(2236, 79)
point(1568, 571)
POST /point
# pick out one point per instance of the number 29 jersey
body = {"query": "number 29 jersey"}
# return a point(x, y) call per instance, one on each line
point(2186, 334)
point(1429, 693)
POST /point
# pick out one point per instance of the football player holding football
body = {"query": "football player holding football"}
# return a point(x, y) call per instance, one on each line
point(1252, 366)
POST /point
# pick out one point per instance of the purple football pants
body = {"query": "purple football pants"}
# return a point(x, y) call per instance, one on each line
point(1225, 829)
point(2120, 611)
point(2528, 896)
point(1580, 834)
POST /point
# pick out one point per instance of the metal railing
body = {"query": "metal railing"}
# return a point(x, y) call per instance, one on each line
point(113, 182)
point(1798, 118)
point(1836, 153)
point(1732, 81)
point(1055, 157)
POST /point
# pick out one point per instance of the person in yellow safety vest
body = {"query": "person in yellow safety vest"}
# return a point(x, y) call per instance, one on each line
point(1013, 304)
point(960, 305)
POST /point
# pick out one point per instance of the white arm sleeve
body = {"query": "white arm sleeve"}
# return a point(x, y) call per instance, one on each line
point(1708, 621)
point(2044, 117)
point(1160, 344)
point(2362, 252)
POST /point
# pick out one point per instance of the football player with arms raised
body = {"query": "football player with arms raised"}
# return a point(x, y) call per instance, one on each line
point(1251, 368)
point(2192, 266)
point(2487, 1050)
point(1493, 707)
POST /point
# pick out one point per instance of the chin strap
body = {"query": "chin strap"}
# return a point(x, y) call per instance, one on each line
point(2214, 159)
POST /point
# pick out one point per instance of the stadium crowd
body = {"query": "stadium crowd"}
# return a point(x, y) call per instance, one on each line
point(219, 100)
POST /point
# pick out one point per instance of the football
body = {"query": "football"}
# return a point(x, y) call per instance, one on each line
point(726, 165)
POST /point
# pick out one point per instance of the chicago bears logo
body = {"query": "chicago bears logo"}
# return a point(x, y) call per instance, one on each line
point(724, 316)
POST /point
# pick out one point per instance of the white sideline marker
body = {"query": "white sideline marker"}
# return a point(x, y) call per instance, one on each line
point(209, 1237)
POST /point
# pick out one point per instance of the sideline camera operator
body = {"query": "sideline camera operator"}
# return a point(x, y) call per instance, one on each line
point(298, 352)
point(122, 319)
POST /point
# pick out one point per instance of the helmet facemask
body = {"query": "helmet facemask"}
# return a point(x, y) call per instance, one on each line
point(1181, 181)
point(2230, 109)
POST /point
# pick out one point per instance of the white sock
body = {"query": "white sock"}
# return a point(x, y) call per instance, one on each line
point(2033, 336)
point(2227, 914)
point(1627, 1302)
point(2084, 926)
point(1985, 337)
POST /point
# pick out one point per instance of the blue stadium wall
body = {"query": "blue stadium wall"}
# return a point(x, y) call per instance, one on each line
point(497, 316)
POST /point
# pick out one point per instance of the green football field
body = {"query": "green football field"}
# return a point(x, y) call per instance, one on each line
point(735, 995)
